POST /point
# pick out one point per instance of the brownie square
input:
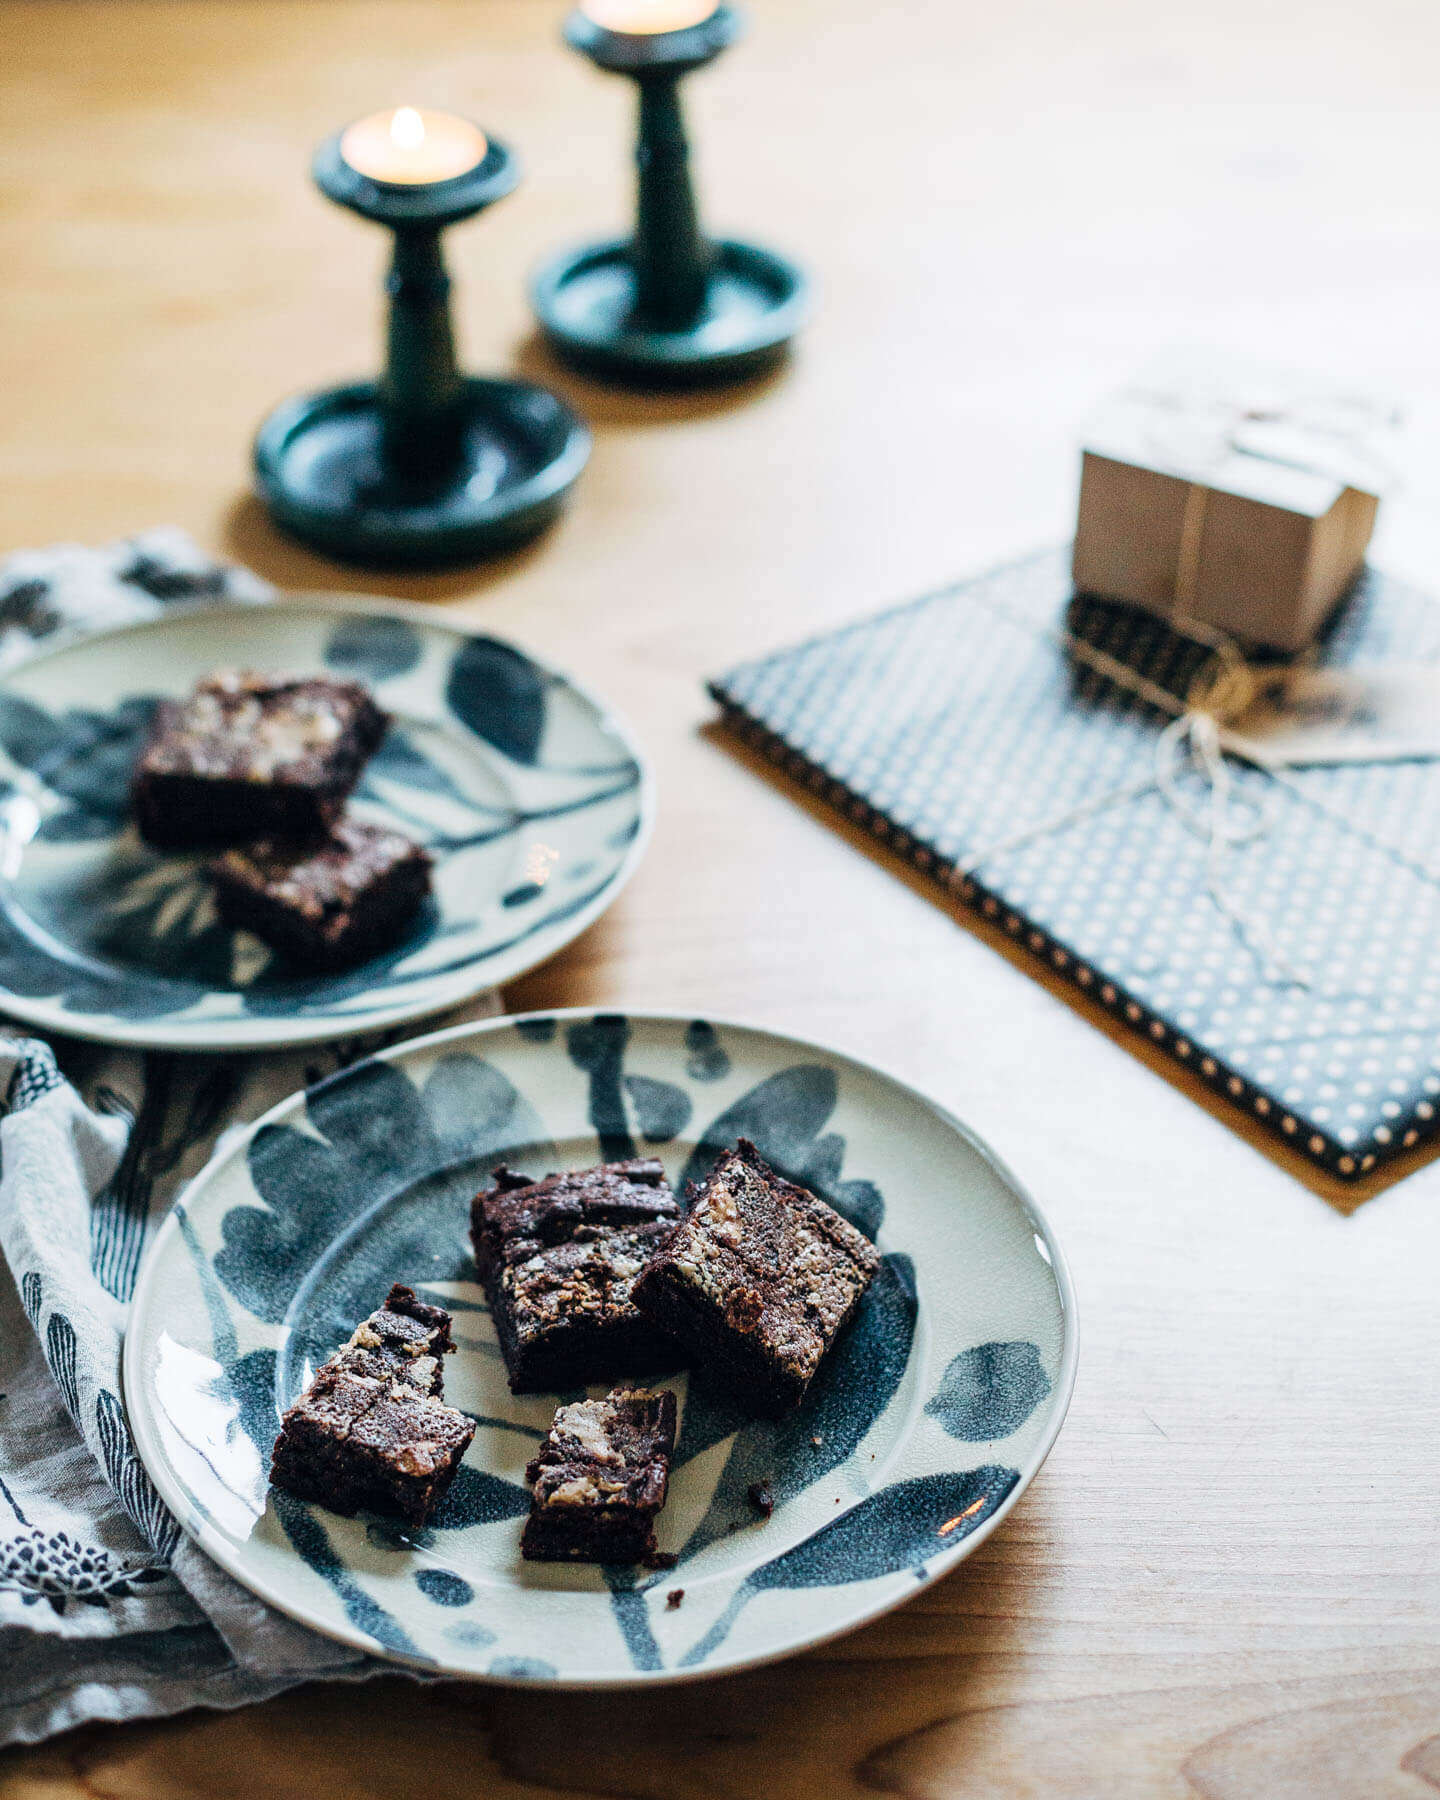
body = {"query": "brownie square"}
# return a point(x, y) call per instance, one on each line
point(327, 904)
point(372, 1429)
point(758, 1281)
point(558, 1258)
point(251, 756)
point(600, 1479)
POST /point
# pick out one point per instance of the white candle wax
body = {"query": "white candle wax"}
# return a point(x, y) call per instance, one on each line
point(408, 148)
point(644, 18)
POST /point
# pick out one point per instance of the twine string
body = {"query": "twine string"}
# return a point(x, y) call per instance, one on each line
point(1194, 738)
point(1193, 743)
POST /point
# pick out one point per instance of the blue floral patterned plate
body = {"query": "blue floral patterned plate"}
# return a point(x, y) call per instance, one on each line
point(532, 799)
point(917, 1437)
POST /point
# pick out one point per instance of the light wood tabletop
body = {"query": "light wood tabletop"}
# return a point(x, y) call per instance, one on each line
point(1226, 1580)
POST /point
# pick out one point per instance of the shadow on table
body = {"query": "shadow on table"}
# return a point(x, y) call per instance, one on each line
point(809, 1727)
point(602, 405)
point(250, 537)
point(804, 1728)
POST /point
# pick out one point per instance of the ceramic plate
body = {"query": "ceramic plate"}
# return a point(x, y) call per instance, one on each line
point(918, 1435)
point(532, 799)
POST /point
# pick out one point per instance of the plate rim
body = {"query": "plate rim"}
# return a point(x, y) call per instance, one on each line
point(270, 1034)
point(1058, 1400)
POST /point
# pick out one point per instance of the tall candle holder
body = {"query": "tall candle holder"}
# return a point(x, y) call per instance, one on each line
point(666, 306)
point(427, 466)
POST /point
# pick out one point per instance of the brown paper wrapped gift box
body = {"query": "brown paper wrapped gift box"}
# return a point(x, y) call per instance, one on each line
point(1232, 513)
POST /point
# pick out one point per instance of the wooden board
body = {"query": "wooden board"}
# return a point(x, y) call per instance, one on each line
point(1225, 1583)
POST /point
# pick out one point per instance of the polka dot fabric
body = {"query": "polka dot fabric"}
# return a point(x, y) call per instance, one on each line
point(954, 725)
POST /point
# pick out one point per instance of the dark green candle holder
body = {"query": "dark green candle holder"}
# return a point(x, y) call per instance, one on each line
point(667, 306)
point(426, 467)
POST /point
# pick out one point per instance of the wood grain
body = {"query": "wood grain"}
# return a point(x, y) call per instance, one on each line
point(1225, 1583)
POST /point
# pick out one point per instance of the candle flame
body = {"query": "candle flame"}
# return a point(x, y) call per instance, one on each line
point(407, 128)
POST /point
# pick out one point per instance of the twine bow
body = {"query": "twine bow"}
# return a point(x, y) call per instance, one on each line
point(1195, 742)
point(1222, 690)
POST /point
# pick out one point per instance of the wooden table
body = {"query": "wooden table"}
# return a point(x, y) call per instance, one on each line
point(1226, 1582)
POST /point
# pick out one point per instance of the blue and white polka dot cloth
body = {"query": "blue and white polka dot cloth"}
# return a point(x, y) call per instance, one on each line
point(955, 724)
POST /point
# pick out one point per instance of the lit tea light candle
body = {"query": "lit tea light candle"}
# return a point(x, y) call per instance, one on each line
point(427, 466)
point(645, 18)
point(408, 148)
point(667, 305)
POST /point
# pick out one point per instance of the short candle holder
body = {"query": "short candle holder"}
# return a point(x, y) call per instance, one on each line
point(667, 306)
point(427, 467)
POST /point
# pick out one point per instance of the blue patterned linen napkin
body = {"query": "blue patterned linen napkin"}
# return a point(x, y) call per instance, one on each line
point(106, 1611)
point(47, 595)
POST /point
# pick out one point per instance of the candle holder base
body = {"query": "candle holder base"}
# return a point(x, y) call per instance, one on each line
point(585, 302)
point(319, 469)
